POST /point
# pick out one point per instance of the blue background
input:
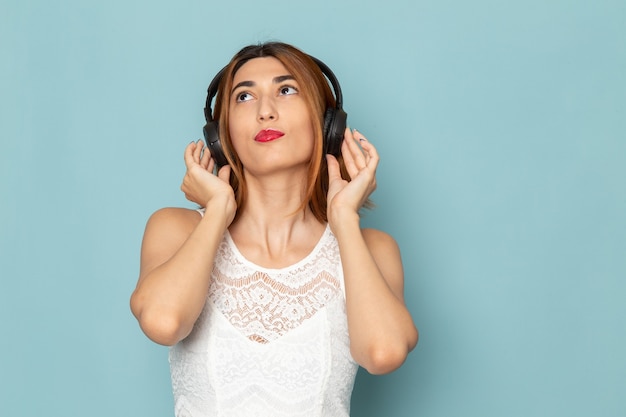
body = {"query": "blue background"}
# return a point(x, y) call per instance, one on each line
point(502, 131)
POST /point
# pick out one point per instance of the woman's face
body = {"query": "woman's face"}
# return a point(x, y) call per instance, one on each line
point(270, 126)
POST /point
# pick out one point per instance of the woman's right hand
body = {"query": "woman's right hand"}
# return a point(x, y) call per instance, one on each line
point(200, 185)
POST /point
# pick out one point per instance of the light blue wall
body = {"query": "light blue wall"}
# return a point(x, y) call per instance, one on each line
point(502, 130)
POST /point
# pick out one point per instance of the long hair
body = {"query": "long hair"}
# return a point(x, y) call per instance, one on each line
point(318, 97)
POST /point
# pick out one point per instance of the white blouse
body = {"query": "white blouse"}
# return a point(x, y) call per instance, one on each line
point(269, 342)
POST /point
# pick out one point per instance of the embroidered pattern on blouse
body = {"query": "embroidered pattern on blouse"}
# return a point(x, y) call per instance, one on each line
point(265, 306)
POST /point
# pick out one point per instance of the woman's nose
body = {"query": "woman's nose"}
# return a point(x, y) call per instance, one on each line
point(267, 111)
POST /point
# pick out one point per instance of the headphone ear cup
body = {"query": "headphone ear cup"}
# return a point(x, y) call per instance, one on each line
point(212, 140)
point(334, 129)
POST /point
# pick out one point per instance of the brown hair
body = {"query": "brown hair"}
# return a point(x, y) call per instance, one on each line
point(318, 97)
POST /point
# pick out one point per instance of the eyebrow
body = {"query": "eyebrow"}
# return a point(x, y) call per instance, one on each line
point(275, 80)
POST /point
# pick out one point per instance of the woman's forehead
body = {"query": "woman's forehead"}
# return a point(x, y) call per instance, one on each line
point(258, 68)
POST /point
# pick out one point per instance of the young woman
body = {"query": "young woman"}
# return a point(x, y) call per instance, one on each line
point(272, 294)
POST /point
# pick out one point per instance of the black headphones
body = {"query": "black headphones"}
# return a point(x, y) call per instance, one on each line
point(334, 118)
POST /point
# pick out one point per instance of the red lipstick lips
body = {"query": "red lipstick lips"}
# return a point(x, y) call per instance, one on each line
point(268, 135)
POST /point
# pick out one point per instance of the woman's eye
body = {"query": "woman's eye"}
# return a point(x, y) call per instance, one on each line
point(287, 90)
point(243, 97)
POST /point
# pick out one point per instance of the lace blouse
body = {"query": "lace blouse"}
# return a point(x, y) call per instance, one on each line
point(269, 342)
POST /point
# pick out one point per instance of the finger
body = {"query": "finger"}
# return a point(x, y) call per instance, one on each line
point(189, 150)
point(347, 152)
point(198, 151)
point(371, 154)
point(205, 159)
point(367, 150)
point(348, 158)
point(352, 154)
point(360, 157)
point(224, 173)
point(333, 168)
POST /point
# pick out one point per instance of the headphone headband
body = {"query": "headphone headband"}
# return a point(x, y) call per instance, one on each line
point(212, 92)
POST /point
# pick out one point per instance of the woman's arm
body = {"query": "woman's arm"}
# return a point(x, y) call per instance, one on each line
point(177, 254)
point(382, 332)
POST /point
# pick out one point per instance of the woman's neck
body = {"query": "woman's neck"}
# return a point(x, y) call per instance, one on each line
point(275, 198)
point(272, 226)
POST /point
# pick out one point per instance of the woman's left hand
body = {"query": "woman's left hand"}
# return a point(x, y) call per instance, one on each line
point(345, 197)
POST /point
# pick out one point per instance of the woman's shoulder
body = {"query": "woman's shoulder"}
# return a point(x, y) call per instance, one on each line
point(382, 245)
point(174, 220)
point(177, 212)
point(378, 238)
